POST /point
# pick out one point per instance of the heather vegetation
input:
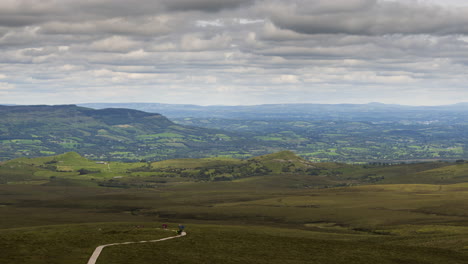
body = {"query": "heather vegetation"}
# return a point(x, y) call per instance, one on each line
point(275, 208)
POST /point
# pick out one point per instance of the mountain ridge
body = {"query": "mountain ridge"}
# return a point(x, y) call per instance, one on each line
point(112, 133)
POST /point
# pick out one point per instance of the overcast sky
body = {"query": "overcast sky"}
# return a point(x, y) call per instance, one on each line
point(233, 52)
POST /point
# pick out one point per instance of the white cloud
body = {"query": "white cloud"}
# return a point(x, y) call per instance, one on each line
point(165, 46)
point(246, 21)
point(193, 42)
point(285, 78)
point(6, 86)
point(114, 44)
point(270, 31)
point(207, 23)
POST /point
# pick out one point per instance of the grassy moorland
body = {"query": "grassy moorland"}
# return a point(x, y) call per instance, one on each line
point(216, 243)
point(284, 210)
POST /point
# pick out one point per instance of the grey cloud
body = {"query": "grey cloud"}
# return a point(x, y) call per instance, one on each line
point(142, 26)
point(148, 7)
point(118, 8)
point(335, 6)
point(18, 13)
point(18, 20)
point(205, 5)
point(27, 12)
point(235, 49)
point(361, 17)
point(22, 13)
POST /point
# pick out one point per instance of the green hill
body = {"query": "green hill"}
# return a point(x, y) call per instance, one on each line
point(443, 174)
point(277, 170)
point(284, 161)
point(108, 134)
point(284, 169)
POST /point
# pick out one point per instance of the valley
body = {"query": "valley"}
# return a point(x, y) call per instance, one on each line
point(320, 133)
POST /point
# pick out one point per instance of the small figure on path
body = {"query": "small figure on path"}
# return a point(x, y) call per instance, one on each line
point(164, 226)
point(181, 229)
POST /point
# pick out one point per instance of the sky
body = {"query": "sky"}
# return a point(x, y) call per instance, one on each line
point(234, 52)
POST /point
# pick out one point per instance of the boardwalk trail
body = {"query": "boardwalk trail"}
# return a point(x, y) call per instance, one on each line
point(97, 251)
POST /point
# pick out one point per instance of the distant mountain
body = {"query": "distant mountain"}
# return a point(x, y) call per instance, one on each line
point(360, 112)
point(110, 134)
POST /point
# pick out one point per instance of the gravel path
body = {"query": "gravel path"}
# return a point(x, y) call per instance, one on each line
point(97, 251)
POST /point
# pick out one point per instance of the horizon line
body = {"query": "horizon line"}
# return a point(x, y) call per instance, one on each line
point(239, 105)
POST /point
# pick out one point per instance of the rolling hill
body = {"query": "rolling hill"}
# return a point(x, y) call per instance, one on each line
point(109, 134)
point(279, 170)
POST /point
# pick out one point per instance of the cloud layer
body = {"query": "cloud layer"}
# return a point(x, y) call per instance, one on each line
point(233, 51)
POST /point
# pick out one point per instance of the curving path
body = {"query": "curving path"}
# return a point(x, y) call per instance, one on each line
point(97, 251)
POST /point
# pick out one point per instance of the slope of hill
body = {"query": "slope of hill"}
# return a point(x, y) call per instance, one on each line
point(285, 161)
point(108, 134)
